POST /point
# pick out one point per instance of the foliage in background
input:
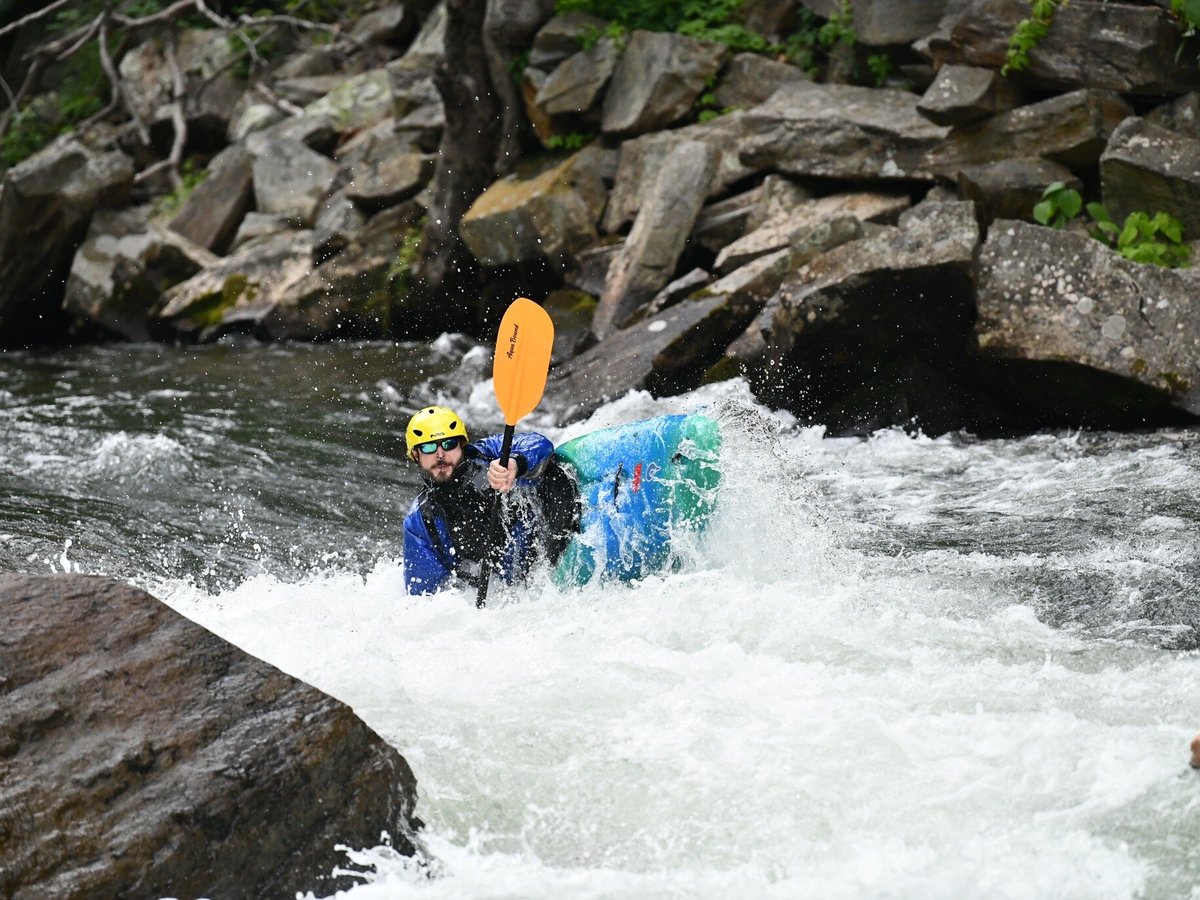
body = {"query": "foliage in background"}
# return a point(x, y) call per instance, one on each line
point(38, 123)
point(1156, 240)
point(1029, 33)
point(191, 174)
point(1060, 204)
point(570, 142)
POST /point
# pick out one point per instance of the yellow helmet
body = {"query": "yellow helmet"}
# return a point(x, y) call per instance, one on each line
point(432, 423)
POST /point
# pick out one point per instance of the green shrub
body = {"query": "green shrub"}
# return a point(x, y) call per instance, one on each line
point(1059, 205)
point(1155, 240)
point(1029, 33)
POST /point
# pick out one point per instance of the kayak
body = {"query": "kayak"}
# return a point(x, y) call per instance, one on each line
point(642, 486)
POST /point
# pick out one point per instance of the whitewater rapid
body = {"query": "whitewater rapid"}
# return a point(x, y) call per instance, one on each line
point(895, 667)
point(851, 689)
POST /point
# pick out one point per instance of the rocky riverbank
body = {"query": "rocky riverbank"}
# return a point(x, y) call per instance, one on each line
point(142, 756)
point(866, 256)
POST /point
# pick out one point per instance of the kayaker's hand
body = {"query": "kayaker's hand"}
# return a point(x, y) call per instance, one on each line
point(500, 479)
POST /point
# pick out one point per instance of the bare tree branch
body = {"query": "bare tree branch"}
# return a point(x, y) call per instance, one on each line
point(118, 94)
point(173, 160)
point(33, 17)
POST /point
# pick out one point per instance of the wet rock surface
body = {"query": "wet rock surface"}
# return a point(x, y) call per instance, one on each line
point(142, 756)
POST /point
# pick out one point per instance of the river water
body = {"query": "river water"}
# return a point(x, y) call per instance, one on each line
point(893, 667)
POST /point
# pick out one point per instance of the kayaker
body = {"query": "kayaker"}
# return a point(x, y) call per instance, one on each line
point(447, 531)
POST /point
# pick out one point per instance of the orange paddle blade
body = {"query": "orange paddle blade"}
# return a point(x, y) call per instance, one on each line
point(523, 345)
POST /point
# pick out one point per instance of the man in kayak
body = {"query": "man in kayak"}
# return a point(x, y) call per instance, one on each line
point(448, 530)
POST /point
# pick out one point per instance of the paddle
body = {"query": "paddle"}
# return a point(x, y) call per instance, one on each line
point(523, 344)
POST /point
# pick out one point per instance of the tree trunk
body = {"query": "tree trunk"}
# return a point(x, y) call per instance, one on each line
point(447, 272)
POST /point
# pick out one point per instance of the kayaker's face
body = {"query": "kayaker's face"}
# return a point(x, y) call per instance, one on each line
point(441, 463)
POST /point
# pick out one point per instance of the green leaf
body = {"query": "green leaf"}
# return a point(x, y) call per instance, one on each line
point(1044, 212)
point(1099, 212)
point(1191, 11)
point(1053, 188)
point(1070, 203)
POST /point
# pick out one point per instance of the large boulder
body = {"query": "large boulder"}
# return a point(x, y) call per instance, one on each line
point(46, 203)
point(881, 22)
point(550, 216)
point(1011, 188)
point(122, 269)
point(660, 77)
point(213, 210)
point(239, 291)
point(1059, 296)
point(665, 354)
point(211, 89)
point(750, 79)
point(651, 253)
point(813, 226)
point(290, 179)
point(963, 94)
point(1071, 128)
point(146, 757)
point(641, 159)
point(1123, 47)
point(841, 131)
point(1151, 169)
point(873, 333)
point(576, 86)
point(358, 102)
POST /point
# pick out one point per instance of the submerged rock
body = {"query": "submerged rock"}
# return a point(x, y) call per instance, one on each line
point(143, 756)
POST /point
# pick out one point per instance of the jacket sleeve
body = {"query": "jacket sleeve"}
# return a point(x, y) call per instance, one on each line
point(424, 571)
point(530, 450)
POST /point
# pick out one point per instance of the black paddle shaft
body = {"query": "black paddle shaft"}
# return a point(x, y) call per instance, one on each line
point(491, 559)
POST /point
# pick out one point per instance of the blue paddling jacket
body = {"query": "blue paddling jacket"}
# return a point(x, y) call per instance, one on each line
point(447, 530)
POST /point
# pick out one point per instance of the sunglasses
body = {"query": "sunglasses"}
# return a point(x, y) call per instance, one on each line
point(447, 444)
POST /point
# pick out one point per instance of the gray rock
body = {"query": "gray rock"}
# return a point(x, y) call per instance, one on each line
point(1056, 295)
point(46, 203)
point(1071, 128)
point(213, 210)
point(241, 290)
point(1151, 169)
point(578, 83)
point(412, 85)
point(1122, 47)
point(665, 355)
point(562, 36)
point(393, 26)
point(257, 226)
point(122, 269)
point(641, 159)
point(591, 267)
point(840, 131)
point(679, 289)
point(724, 221)
point(290, 179)
point(1181, 115)
point(385, 181)
point(856, 338)
point(963, 94)
point(647, 261)
point(430, 41)
point(881, 22)
point(1010, 188)
point(346, 296)
point(780, 195)
point(254, 117)
point(550, 216)
point(146, 757)
point(305, 89)
point(813, 227)
point(657, 82)
point(338, 219)
point(358, 102)
point(750, 79)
